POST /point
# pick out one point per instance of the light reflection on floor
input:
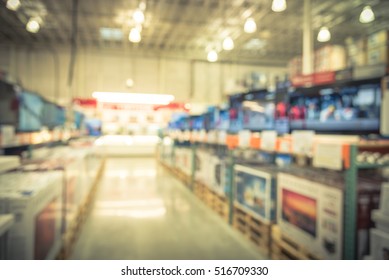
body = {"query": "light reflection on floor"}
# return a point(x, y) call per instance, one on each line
point(141, 212)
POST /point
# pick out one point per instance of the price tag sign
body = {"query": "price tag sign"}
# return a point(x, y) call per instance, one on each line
point(302, 142)
point(268, 140)
point(222, 137)
point(328, 155)
point(244, 138)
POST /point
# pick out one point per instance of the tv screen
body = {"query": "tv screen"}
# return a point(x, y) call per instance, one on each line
point(30, 112)
point(352, 108)
point(49, 114)
point(299, 210)
point(8, 104)
point(258, 110)
point(223, 120)
point(236, 113)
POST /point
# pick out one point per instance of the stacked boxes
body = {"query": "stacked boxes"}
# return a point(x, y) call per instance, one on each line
point(35, 200)
point(295, 67)
point(218, 175)
point(356, 52)
point(379, 237)
point(330, 58)
point(183, 160)
point(378, 48)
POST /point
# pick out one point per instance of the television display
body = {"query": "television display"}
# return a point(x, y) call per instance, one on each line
point(223, 120)
point(235, 113)
point(196, 122)
point(52, 115)
point(30, 112)
point(8, 104)
point(300, 210)
point(258, 110)
point(354, 108)
point(281, 122)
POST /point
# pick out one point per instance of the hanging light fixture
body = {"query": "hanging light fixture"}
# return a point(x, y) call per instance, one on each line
point(278, 5)
point(13, 5)
point(367, 15)
point(250, 26)
point(324, 34)
point(138, 16)
point(134, 35)
point(33, 25)
point(212, 56)
point(228, 43)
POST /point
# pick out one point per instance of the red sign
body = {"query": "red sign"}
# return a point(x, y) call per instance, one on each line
point(85, 102)
point(172, 106)
point(323, 78)
point(303, 80)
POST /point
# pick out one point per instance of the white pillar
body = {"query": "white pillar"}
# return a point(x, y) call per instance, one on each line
point(307, 39)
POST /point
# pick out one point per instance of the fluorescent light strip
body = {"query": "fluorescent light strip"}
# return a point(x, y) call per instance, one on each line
point(133, 98)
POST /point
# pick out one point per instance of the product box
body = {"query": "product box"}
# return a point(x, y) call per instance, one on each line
point(9, 162)
point(379, 245)
point(183, 159)
point(311, 214)
point(381, 220)
point(378, 55)
point(384, 202)
point(357, 53)
point(378, 39)
point(295, 67)
point(35, 199)
point(202, 163)
point(330, 58)
point(218, 180)
point(255, 191)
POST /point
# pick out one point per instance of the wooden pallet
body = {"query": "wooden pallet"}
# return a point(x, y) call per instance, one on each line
point(284, 248)
point(256, 230)
point(213, 200)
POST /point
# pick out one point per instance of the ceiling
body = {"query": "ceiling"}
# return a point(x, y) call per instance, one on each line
point(188, 28)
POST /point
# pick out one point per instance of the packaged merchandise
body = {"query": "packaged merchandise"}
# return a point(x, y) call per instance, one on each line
point(381, 220)
point(255, 190)
point(218, 175)
point(35, 199)
point(312, 214)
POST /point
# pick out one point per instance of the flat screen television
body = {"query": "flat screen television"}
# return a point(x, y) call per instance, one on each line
point(353, 107)
point(196, 122)
point(235, 113)
point(223, 120)
point(258, 110)
point(30, 112)
point(8, 104)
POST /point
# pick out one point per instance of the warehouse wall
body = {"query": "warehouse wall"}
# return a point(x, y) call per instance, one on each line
point(46, 72)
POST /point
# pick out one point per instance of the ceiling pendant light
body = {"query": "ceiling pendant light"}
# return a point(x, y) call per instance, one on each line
point(134, 35)
point(228, 43)
point(367, 15)
point(250, 26)
point(13, 5)
point(33, 25)
point(324, 34)
point(278, 5)
point(138, 16)
point(212, 56)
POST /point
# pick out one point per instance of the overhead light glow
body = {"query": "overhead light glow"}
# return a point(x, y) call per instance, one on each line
point(228, 44)
point(138, 16)
point(212, 56)
point(250, 26)
point(130, 83)
point(367, 15)
point(134, 35)
point(278, 5)
point(133, 98)
point(324, 35)
point(13, 5)
point(33, 26)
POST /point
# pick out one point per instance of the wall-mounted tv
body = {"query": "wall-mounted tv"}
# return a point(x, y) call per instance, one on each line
point(352, 107)
point(258, 110)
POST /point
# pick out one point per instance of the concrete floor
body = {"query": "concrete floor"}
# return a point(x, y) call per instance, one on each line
point(142, 212)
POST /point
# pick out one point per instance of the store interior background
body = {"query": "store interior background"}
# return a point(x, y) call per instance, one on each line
point(83, 46)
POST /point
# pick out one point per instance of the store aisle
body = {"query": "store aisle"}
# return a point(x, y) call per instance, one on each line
point(142, 212)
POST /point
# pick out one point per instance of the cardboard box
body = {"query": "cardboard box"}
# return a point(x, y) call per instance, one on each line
point(311, 214)
point(378, 55)
point(381, 220)
point(218, 178)
point(202, 173)
point(330, 58)
point(35, 199)
point(255, 191)
point(384, 202)
point(379, 245)
point(378, 39)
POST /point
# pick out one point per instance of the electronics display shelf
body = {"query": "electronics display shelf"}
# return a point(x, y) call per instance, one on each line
point(350, 166)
